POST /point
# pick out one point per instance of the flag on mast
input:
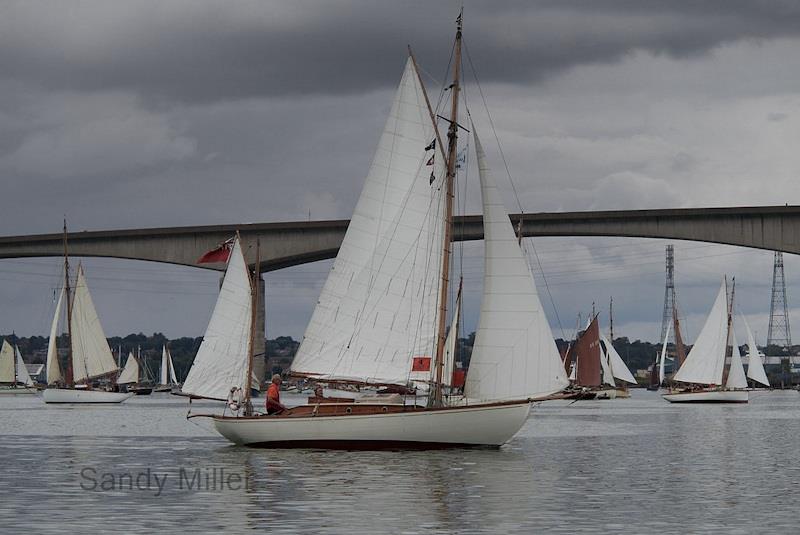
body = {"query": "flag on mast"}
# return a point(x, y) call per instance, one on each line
point(219, 254)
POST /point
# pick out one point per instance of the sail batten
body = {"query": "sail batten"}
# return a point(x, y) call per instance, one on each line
point(705, 363)
point(221, 362)
point(514, 355)
point(378, 308)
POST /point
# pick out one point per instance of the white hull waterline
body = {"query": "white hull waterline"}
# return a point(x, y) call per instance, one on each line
point(17, 391)
point(480, 425)
point(69, 395)
point(708, 396)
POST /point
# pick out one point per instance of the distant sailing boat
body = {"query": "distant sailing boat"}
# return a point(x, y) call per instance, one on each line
point(384, 305)
point(704, 372)
point(166, 379)
point(597, 364)
point(755, 367)
point(14, 376)
point(131, 376)
point(89, 354)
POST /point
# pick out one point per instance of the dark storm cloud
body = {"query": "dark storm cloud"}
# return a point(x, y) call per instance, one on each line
point(198, 51)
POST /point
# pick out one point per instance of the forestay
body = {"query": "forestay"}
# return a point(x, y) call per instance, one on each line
point(514, 355)
point(53, 367)
point(618, 367)
point(221, 361)
point(755, 368)
point(379, 306)
point(91, 355)
point(706, 360)
point(130, 373)
point(736, 377)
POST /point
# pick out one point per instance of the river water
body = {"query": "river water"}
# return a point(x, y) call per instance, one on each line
point(624, 466)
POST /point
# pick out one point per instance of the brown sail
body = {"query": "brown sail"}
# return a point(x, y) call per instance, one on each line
point(586, 352)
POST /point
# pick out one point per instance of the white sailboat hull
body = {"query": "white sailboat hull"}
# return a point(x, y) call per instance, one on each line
point(69, 395)
point(489, 425)
point(708, 396)
point(15, 391)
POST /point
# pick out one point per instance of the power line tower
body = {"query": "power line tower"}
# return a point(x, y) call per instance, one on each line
point(669, 292)
point(779, 333)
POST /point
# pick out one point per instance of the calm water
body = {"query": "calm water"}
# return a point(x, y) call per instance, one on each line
point(622, 466)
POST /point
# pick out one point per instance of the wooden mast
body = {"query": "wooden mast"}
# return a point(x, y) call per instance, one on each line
point(248, 406)
point(68, 375)
point(452, 145)
point(726, 367)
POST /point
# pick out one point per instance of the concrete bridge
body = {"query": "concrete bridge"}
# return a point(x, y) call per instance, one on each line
point(293, 243)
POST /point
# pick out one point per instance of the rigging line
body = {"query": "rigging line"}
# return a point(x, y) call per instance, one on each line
point(513, 186)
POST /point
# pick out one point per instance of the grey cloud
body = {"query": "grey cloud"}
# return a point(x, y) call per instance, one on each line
point(199, 51)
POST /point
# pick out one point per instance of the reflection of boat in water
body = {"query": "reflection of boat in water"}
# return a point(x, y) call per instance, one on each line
point(89, 358)
point(13, 373)
point(382, 311)
point(704, 372)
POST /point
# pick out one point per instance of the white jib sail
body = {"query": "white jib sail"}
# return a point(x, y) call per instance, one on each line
point(608, 376)
point(663, 357)
point(736, 377)
point(91, 355)
point(53, 367)
point(163, 378)
point(379, 306)
point(450, 345)
point(706, 361)
point(618, 367)
point(221, 361)
point(171, 369)
point(514, 356)
point(22, 371)
point(130, 373)
point(6, 363)
point(755, 368)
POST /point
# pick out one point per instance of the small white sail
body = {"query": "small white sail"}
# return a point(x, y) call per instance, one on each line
point(22, 371)
point(91, 355)
point(706, 361)
point(608, 376)
point(755, 368)
point(663, 357)
point(171, 369)
point(573, 372)
point(53, 367)
point(450, 345)
point(221, 361)
point(515, 355)
point(6, 363)
point(736, 377)
point(130, 373)
point(379, 306)
point(618, 368)
point(163, 378)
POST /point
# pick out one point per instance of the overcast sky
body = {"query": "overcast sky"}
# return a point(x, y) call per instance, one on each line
point(144, 114)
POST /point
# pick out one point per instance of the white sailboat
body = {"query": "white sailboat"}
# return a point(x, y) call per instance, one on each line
point(14, 376)
point(130, 373)
point(166, 379)
point(383, 305)
point(90, 356)
point(620, 374)
point(704, 370)
point(755, 367)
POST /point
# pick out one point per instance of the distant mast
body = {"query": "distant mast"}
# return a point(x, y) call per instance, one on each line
point(68, 375)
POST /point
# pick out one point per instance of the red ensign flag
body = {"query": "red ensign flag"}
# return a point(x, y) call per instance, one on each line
point(220, 254)
point(421, 364)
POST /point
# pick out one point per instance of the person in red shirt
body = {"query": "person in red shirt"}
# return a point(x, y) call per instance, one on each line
point(274, 405)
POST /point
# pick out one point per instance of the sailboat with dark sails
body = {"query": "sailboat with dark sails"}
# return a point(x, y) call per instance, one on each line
point(384, 305)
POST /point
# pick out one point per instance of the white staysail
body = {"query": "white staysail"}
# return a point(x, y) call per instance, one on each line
point(221, 361)
point(706, 361)
point(379, 306)
point(450, 344)
point(755, 368)
point(608, 376)
point(6, 363)
point(663, 358)
point(736, 377)
point(163, 378)
point(91, 356)
point(22, 371)
point(514, 354)
point(171, 369)
point(618, 368)
point(130, 373)
point(53, 367)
